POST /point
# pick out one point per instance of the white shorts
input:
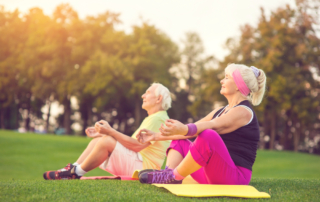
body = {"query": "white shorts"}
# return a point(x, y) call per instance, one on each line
point(122, 161)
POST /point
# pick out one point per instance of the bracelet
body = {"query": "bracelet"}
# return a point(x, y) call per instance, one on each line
point(192, 129)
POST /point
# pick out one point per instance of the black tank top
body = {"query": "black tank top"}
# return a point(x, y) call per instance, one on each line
point(242, 143)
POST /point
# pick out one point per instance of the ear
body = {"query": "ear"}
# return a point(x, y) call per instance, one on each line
point(237, 89)
point(159, 100)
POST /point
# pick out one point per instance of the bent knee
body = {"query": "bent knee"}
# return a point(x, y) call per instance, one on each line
point(107, 142)
point(209, 134)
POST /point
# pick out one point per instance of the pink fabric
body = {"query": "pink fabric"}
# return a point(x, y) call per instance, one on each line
point(209, 151)
point(121, 177)
point(243, 88)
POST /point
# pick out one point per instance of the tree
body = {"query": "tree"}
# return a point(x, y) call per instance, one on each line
point(283, 46)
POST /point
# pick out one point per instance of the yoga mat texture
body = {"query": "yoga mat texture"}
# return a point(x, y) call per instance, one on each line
point(208, 190)
point(190, 188)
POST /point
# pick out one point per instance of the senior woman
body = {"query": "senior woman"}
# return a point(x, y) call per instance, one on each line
point(227, 138)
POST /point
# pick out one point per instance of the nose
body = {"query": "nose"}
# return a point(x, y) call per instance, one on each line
point(142, 96)
point(222, 81)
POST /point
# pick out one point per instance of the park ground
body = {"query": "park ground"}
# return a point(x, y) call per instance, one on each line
point(286, 176)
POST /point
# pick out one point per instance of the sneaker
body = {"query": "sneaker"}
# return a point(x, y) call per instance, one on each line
point(159, 177)
point(67, 167)
point(150, 170)
point(62, 175)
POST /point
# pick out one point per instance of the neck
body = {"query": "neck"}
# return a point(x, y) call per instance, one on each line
point(154, 110)
point(234, 100)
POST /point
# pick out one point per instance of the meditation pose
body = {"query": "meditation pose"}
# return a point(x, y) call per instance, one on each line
point(227, 138)
point(120, 154)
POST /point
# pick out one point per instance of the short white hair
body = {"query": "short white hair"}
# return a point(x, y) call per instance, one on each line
point(166, 97)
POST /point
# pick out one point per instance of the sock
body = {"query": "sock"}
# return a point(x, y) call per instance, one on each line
point(177, 176)
point(76, 164)
point(79, 171)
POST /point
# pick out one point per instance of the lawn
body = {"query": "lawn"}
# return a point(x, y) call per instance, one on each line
point(287, 176)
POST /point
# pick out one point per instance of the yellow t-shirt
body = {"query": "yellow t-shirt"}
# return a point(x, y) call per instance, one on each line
point(153, 156)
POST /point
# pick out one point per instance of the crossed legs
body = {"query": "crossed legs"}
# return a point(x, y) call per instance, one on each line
point(207, 160)
point(97, 151)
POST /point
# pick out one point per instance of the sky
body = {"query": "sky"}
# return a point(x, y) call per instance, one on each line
point(215, 21)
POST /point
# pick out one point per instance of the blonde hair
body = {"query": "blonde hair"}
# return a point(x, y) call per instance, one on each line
point(256, 85)
point(166, 97)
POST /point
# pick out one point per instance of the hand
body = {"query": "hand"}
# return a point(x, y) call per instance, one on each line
point(102, 127)
point(146, 135)
point(173, 127)
point(91, 132)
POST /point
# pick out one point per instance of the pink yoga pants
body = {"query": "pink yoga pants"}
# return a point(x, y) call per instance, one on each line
point(209, 151)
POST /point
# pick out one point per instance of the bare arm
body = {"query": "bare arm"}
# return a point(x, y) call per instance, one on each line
point(127, 141)
point(104, 128)
point(145, 136)
point(234, 119)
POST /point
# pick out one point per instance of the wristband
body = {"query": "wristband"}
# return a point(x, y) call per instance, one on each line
point(192, 129)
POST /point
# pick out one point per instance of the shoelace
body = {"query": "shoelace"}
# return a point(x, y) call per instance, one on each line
point(66, 173)
point(162, 177)
point(67, 167)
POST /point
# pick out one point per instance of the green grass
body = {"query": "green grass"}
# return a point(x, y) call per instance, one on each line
point(287, 176)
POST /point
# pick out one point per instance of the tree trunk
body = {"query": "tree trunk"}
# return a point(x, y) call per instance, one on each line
point(89, 110)
point(27, 121)
point(48, 116)
point(284, 138)
point(67, 114)
point(273, 129)
point(2, 119)
point(17, 125)
point(265, 129)
point(296, 137)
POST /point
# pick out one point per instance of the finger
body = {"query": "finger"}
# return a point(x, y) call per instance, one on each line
point(163, 131)
point(140, 139)
point(143, 130)
point(162, 127)
point(101, 122)
point(167, 129)
point(169, 124)
point(166, 132)
point(91, 129)
point(170, 121)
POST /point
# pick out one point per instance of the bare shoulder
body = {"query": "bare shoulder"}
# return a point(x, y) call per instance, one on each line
point(242, 111)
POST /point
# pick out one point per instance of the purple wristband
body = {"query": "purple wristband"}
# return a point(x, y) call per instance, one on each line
point(192, 129)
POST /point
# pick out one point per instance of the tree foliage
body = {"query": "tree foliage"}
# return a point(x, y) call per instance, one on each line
point(62, 58)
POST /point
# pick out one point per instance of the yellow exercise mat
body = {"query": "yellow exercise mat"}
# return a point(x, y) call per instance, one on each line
point(135, 174)
point(208, 190)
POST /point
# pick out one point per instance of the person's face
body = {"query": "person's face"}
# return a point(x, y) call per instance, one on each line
point(149, 98)
point(228, 86)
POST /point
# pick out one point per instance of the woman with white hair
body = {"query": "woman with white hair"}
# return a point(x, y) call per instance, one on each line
point(227, 138)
